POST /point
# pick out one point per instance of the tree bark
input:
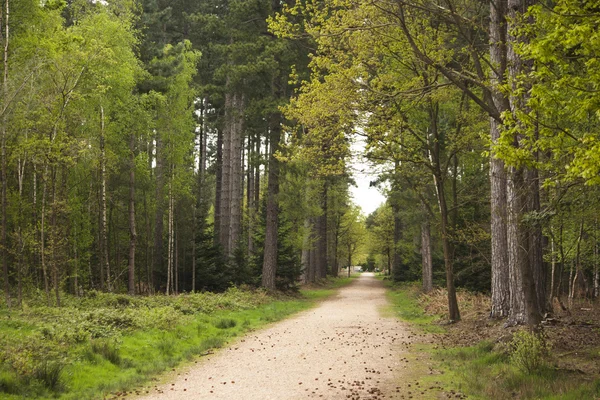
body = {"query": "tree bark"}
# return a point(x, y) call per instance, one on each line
point(170, 275)
point(536, 251)
point(3, 172)
point(596, 269)
point(322, 233)
point(219, 187)
point(225, 198)
point(132, 231)
point(306, 252)
point(237, 173)
point(158, 253)
point(251, 206)
point(103, 218)
point(524, 301)
point(438, 174)
point(426, 256)
point(270, 250)
point(500, 275)
point(523, 298)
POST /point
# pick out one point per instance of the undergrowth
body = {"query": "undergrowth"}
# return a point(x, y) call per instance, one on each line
point(103, 342)
point(523, 367)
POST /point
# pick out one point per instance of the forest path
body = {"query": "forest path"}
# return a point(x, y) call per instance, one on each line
point(342, 349)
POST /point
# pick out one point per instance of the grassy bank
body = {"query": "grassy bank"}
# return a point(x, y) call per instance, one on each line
point(481, 359)
point(104, 343)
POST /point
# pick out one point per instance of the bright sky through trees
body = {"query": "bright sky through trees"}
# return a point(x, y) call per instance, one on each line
point(367, 197)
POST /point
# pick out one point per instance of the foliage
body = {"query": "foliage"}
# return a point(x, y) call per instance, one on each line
point(41, 358)
point(528, 351)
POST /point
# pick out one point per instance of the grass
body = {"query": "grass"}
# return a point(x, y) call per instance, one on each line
point(485, 370)
point(112, 343)
point(405, 306)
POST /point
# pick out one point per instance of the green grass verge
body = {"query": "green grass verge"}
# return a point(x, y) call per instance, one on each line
point(403, 299)
point(41, 358)
point(485, 371)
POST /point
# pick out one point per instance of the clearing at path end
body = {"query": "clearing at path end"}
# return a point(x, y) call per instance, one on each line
point(343, 349)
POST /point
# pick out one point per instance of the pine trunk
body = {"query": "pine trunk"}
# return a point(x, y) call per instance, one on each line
point(3, 172)
point(524, 307)
point(219, 187)
point(426, 256)
point(158, 251)
point(43, 234)
point(132, 231)
point(536, 248)
point(322, 228)
point(523, 299)
point(269, 267)
point(226, 168)
point(500, 275)
point(596, 269)
point(103, 218)
point(170, 275)
point(306, 244)
point(237, 173)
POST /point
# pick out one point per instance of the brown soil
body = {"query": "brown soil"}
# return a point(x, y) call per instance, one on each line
point(343, 349)
point(573, 334)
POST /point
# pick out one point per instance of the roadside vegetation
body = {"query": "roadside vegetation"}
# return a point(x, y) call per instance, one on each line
point(483, 359)
point(105, 343)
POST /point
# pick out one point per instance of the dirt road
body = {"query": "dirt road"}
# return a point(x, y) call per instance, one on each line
point(343, 349)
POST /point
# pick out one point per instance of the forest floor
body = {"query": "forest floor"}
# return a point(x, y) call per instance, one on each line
point(476, 357)
point(346, 348)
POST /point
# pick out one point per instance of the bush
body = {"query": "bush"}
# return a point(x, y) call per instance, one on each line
point(528, 351)
point(50, 374)
point(107, 349)
point(225, 323)
point(166, 344)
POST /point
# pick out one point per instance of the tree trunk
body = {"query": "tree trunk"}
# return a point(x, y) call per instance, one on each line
point(132, 231)
point(306, 244)
point(158, 253)
point(251, 206)
point(500, 275)
point(226, 178)
point(170, 275)
point(335, 268)
point(397, 273)
point(575, 276)
point(524, 308)
point(536, 251)
point(596, 269)
point(219, 187)
point(435, 154)
point(426, 256)
point(349, 259)
point(3, 172)
point(322, 232)
point(237, 173)
point(269, 267)
point(312, 270)
point(523, 298)
point(43, 234)
point(103, 220)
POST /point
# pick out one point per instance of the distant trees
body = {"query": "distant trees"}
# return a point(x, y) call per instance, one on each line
point(173, 146)
point(421, 79)
point(143, 149)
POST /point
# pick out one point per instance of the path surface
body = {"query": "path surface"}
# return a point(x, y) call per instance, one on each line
point(343, 349)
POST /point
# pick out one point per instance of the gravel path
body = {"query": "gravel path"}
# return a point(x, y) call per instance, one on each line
point(343, 349)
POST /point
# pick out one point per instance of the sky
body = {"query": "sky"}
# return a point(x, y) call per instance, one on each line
point(368, 198)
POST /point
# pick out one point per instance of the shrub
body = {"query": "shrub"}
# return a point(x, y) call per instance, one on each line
point(211, 343)
point(528, 351)
point(108, 349)
point(166, 344)
point(225, 323)
point(50, 374)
